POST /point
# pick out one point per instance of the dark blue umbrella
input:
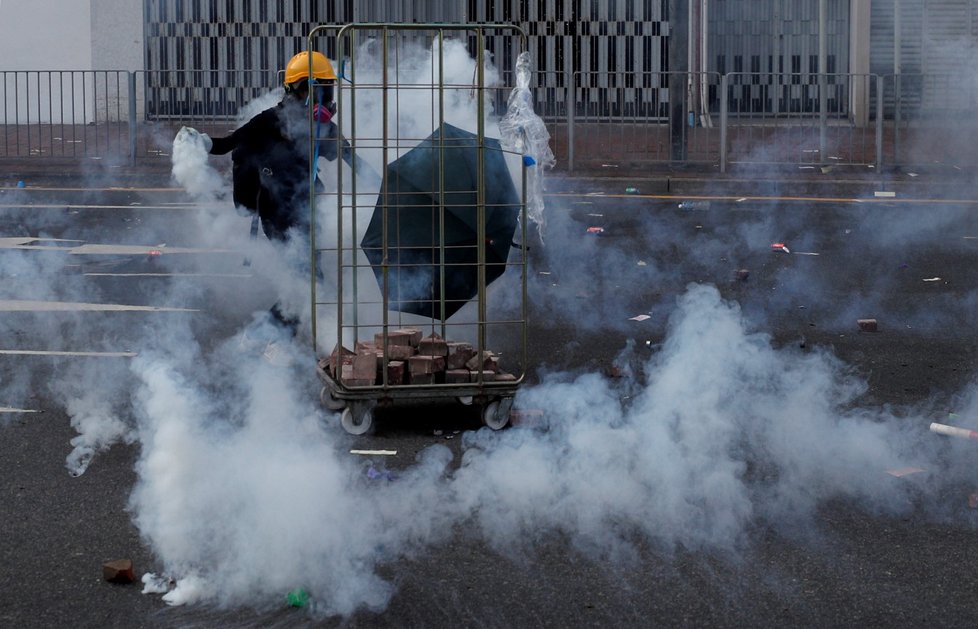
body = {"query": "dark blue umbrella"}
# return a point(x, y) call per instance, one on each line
point(417, 202)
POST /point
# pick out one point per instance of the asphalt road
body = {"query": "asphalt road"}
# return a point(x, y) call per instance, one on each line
point(606, 258)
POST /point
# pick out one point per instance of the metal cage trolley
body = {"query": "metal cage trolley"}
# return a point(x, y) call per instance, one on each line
point(418, 282)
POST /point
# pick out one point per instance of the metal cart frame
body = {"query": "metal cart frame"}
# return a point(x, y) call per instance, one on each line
point(357, 403)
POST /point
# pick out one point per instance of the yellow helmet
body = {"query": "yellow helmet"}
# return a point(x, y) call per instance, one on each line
point(298, 68)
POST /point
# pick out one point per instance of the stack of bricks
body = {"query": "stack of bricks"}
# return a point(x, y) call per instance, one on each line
point(413, 359)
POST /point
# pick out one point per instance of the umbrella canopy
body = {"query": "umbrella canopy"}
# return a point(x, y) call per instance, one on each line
point(436, 183)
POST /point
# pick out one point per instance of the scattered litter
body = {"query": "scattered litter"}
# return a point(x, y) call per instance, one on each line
point(953, 431)
point(905, 471)
point(694, 205)
point(156, 584)
point(642, 263)
point(375, 452)
point(631, 190)
point(297, 598)
point(641, 317)
point(595, 230)
point(779, 246)
point(21, 184)
point(912, 174)
point(118, 571)
point(373, 474)
point(827, 169)
point(867, 325)
point(932, 279)
point(884, 193)
point(741, 200)
point(544, 272)
point(806, 253)
point(155, 252)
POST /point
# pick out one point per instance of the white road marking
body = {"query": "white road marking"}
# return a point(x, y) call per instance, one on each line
point(23, 305)
point(7, 409)
point(42, 352)
point(375, 452)
point(224, 275)
point(100, 249)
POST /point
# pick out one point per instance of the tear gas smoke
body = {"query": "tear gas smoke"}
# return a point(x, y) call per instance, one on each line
point(243, 495)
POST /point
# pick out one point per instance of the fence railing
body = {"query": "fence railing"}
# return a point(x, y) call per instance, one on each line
point(596, 119)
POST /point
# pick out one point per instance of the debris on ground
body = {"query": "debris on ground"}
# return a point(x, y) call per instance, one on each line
point(374, 473)
point(118, 571)
point(694, 205)
point(641, 317)
point(595, 230)
point(905, 471)
point(867, 325)
point(779, 246)
point(297, 598)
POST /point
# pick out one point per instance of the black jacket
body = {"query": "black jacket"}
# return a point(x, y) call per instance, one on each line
point(270, 164)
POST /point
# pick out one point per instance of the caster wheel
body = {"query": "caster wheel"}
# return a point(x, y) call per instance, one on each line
point(357, 423)
point(495, 414)
point(329, 401)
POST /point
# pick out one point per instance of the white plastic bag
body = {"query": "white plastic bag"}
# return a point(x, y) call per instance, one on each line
point(523, 131)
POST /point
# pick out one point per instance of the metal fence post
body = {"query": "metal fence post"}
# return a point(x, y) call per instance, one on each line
point(132, 117)
point(723, 123)
point(879, 123)
point(571, 107)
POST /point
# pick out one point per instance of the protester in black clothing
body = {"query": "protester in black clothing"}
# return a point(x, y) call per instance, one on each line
point(270, 153)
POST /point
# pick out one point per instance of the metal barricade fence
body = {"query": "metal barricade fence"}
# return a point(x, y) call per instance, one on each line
point(64, 113)
point(784, 119)
point(212, 101)
point(620, 119)
point(930, 119)
point(594, 118)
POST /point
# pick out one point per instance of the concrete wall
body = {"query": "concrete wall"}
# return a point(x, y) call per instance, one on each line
point(60, 59)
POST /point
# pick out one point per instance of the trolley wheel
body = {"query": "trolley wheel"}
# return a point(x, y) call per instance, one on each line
point(330, 402)
point(495, 414)
point(357, 420)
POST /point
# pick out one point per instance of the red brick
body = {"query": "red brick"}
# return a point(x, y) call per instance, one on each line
point(433, 345)
point(365, 367)
point(489, 362)
point(395, 372)
point(404, 336)
point(867, 325)
point(118, 571)
point(348, 379)
point(425, 365)
point(400, 352)
point(346, 356)
point(458, 355)
point(455, 376)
